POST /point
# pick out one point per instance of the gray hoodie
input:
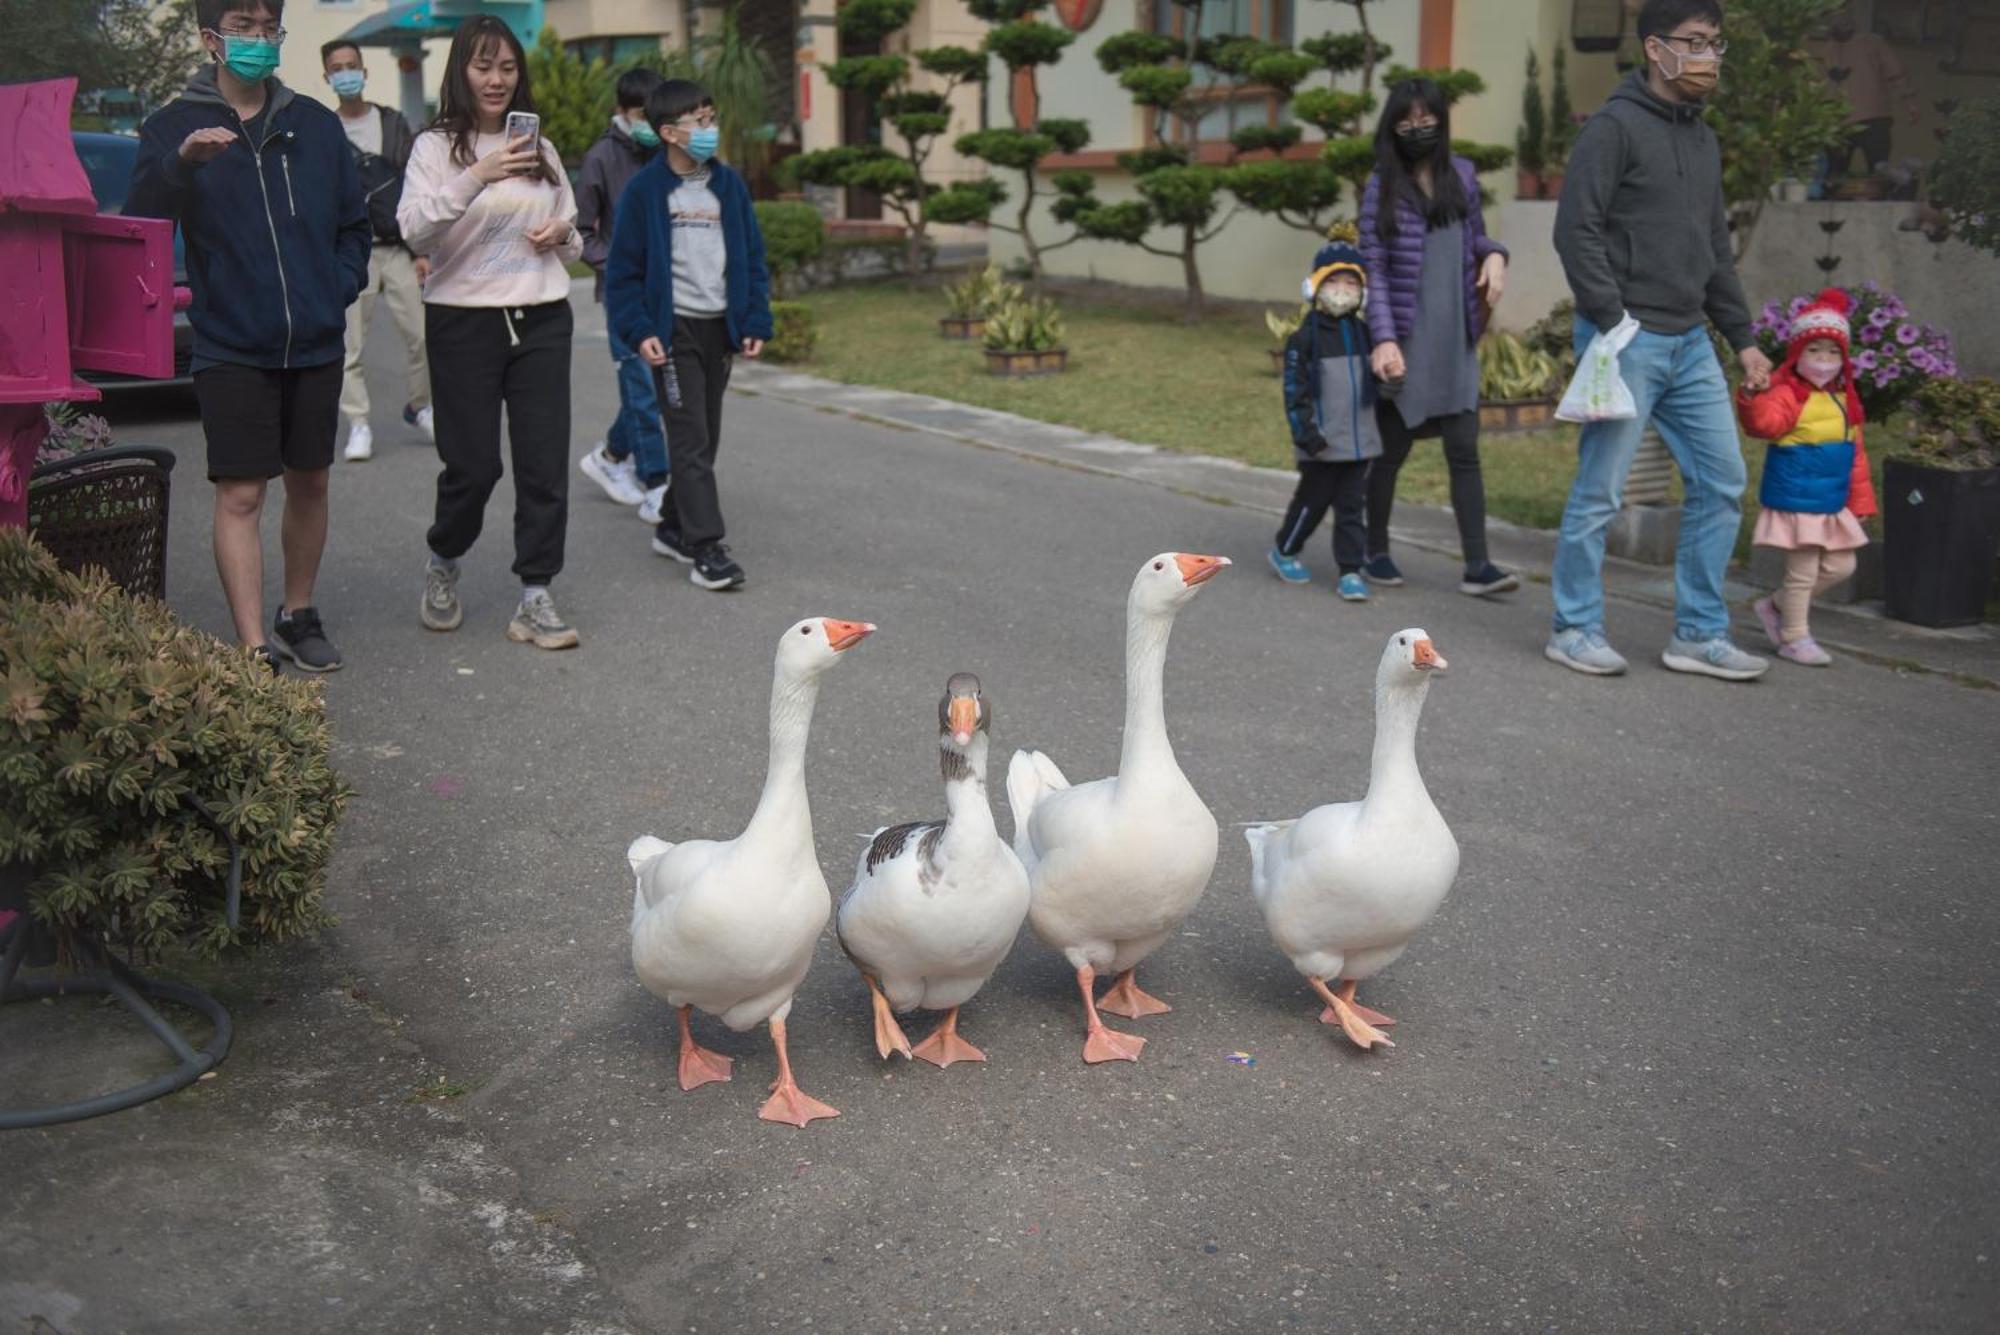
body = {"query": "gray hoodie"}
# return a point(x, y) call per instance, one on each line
point(1642, 228)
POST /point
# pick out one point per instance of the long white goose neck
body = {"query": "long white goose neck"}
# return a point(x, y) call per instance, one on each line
point(1146, 750)
point(783, 812)
point(1393, 772)
point(967, 812)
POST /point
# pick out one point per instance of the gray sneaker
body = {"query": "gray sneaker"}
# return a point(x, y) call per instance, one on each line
point(1713, 658)
point(1585, 651)
point(537, 622)
point(441, 610)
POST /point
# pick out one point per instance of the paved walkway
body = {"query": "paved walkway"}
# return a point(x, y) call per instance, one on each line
point(1703, 1041)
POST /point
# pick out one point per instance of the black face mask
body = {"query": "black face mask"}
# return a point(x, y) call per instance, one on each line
point(1418, 144)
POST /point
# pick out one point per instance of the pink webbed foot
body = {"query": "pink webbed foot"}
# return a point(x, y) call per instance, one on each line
point(944, 1046)
point(1127, 1000)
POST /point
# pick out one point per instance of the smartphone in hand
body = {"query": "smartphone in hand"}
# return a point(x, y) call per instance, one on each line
point(525, 124)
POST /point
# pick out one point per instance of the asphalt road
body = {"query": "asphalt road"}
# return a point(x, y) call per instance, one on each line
point(1704, 1039)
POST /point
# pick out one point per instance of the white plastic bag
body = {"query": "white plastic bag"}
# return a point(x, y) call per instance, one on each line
point(1597, 393)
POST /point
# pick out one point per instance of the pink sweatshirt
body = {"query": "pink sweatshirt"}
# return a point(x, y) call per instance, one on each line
point(474, 234)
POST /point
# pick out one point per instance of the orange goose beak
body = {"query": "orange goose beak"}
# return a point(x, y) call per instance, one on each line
point(1426, 658)
point(1199, 569)
point(962, 717)
point(846, 634)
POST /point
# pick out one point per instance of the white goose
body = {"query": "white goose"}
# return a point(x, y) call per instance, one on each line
point(936, 905)
point(1115, 864)
point(1346, 886)
point(730, 925)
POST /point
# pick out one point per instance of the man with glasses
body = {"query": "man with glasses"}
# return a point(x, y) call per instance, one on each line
point(1643, 232)
point(270, 207)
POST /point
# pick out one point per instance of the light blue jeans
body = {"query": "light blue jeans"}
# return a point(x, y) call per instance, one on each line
point(1677, 382)
point(636, 430)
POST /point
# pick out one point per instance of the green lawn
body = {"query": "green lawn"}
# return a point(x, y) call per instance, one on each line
point(1137, 371)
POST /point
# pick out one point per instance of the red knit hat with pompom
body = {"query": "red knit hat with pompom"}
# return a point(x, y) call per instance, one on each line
point(1826, 317)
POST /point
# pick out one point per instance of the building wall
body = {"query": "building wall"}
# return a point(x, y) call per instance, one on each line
point(575, 19)
point(308, 23)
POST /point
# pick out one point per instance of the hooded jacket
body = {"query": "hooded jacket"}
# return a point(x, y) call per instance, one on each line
point(639, 272)
point(1642, 227)
point(1396, 266)
point(275, 228)
point(607, 169)
point(1329, 390)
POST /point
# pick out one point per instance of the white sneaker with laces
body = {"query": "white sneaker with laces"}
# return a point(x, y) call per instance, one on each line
point(360, 443)
point(424, 420)
point(619, 478)
point(650, 503)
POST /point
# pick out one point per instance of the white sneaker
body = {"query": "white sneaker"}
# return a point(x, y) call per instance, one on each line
point(360, 443)
point(650, 503)
point(618, 477)
point(423, 419)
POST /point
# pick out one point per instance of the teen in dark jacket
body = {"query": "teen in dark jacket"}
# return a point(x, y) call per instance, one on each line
point(686, 284)
point(1435, 270)
point(630, 463)
point(270, 209)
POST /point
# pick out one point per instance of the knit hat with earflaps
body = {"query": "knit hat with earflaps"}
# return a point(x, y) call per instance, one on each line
point(1337, 255)
point(1826, 317)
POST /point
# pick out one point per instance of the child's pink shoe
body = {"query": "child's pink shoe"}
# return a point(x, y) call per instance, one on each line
point(1767, 616)
point(1806, 653)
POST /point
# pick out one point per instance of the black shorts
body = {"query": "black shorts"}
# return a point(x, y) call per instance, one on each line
point(260, 422)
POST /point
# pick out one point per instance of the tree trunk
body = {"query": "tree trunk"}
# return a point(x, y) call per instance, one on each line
point(1193, 274)
point(1027, 235)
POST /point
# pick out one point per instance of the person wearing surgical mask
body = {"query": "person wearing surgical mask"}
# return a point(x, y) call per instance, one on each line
point(1816, 488)
point(1643, 232)
point(381, 140)
point(272, 216)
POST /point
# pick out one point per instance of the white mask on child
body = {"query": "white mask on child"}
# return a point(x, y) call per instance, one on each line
point(1338, 302)
point(1820, 370)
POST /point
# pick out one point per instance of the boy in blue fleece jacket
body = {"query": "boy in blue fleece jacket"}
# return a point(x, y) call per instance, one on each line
point(685, 284)
point(270, 208)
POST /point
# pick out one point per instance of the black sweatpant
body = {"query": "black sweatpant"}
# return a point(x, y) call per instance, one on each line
point(692, 412)
point(1341, 486)
point(482, 357)
point(1461, 456)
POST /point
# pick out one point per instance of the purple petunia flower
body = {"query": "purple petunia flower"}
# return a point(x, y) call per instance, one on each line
point(1888, 373)
point(1870, 334)
point(1878, 318)
point(1864, 360)
point(1906, 334)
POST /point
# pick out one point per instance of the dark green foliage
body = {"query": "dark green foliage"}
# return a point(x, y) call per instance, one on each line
point(1456, 85)
point(1965, 181)
point(965, 201)
point(115, 719)
point(921, 124)
point(1298, 194)
point(954, 62)
point(1562, 117)
point(1075, 181)
point(1344, 52)
point(869, 21)
point(1139, 161)
point(1956, 423)
point(1127, 222)
point(1126, 50)
point(898, 104)
point(794, 237)
point(1158, 86)
point(1531, 140)
point(1026, 44)
point(142, 45)
point(1265, 138)
point(1774, 111)
point(1183, 196)
point(1332, 110)
point(793, 334)
point(1069, 135)
point(1017, 150)
point(1003, 11)
point(1352, 158)
point(1483, 157)
point(574, 96)
point(873, 76)
point(1281, 71)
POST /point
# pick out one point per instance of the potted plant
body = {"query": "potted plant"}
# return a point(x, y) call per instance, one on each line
point(1941, 505)
point(971, 300)
point(1025, 337)
point(1518, 384)
point(1282, 328)
point(127, 739)
point(1542, 144)
point(1895, 354)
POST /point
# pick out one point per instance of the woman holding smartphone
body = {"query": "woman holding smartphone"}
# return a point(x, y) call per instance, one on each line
point(497, 219)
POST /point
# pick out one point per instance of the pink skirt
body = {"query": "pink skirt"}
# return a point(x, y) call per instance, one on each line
point(1790, 530)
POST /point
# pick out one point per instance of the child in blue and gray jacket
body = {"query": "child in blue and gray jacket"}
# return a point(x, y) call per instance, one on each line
point(1330, 404)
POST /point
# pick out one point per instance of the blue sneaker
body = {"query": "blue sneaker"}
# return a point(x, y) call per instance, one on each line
point(1352, 589)
point(1585, 651)
point(1713, 658)
point(1381, 570)
point(1290, 569)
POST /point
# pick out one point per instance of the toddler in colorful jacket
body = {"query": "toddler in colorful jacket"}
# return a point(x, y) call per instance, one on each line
point(1816, 488)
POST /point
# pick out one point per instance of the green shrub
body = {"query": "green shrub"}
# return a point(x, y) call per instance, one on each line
point(1955, 424)
point(1025, 325)
point(794, 236)
point(115, 721)
point(794, 335)
point(980, 293)
point(1965, 181)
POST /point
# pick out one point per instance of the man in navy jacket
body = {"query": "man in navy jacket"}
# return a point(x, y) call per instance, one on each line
point(276, 231)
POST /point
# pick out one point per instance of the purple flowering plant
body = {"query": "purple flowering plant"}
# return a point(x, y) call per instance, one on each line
point(1893, 354)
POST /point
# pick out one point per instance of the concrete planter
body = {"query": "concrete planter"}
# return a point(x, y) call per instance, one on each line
point(1647, 528)
point(1011, 363)
point(951, 326)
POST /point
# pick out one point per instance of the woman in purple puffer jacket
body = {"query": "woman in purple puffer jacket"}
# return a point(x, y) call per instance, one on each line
point(1433, 273)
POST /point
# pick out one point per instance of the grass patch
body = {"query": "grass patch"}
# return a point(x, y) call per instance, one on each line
point(1139, 372)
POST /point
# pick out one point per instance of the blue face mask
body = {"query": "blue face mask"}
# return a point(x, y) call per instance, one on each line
point(251, 59)
point(702, 143)
point(347, 83)
point(642, 134)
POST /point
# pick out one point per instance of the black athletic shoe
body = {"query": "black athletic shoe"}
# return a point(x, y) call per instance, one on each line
point(668, 543)
point(1488, 580)
point(262, 653)
point(302, 639)
point(713, 569)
